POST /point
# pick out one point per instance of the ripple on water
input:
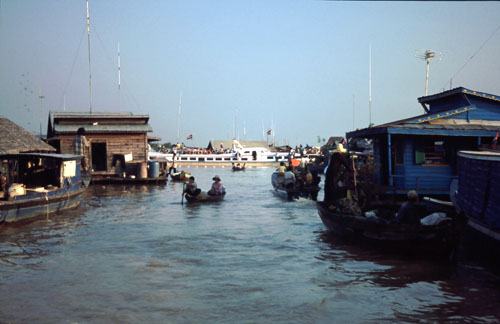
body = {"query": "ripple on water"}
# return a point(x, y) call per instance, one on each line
point(136, 255)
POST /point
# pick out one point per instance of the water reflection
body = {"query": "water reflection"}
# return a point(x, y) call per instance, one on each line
point(411, 289)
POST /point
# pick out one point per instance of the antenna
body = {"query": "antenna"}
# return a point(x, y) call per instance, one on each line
point(427, 56)
point(179, 117)
point(370, 87)
point(90, 70)
point(353, 111)
point(119, 78)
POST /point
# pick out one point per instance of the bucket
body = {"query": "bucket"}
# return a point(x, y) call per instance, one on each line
point(153, 169)
point(142, 170)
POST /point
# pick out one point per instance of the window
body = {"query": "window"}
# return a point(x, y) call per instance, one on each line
point(430, 152)
point(399, 152)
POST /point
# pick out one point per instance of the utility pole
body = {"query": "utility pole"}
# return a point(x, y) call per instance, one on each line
point(41, 98)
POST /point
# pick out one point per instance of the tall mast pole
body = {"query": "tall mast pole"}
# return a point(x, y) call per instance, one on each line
point(119, 79)
point(353, 111)
point(179, 117)
point(428, 60)
point(235, 123)
point(370, 86)
point(90, 69)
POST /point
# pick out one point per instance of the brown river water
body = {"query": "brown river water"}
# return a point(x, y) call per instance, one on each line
point(134, 254)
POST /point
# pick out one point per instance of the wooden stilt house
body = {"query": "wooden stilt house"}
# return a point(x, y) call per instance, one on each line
point(421, 152)
point(118, 140)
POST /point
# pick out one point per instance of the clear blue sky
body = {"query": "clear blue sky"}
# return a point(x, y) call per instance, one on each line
point(298, 64)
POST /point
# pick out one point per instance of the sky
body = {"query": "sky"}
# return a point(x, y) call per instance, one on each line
point(300, 68)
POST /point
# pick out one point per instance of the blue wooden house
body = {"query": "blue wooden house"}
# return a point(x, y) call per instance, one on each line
point(421, 152)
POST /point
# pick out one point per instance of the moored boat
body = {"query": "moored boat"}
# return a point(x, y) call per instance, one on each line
point(39, 184)
point(478, 198)
point(288, 187)
point(428, 240)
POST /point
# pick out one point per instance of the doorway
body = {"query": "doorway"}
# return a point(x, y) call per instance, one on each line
point(99, 157)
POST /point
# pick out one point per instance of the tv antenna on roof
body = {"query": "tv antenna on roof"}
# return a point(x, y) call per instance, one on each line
point(427, 56)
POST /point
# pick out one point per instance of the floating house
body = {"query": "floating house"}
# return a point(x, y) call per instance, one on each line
point(421, 152)
point(118, 140)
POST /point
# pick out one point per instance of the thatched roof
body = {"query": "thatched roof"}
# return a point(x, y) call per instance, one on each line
point(15, 139)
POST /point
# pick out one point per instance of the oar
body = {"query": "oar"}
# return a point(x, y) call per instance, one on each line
point(354, 175)
point(183, 187)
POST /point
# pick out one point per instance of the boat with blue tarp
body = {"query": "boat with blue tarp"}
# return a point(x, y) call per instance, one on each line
point(478, 198)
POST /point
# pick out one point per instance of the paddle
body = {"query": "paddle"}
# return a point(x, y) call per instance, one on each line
point(183, 188)
point(354, 176)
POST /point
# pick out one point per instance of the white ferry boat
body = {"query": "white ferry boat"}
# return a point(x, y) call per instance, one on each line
point(251, 156)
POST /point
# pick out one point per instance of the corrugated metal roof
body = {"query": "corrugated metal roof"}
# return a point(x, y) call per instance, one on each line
point(64, 157)
point(15, 139)
point(85, 119)
point(459, 127)
point(454, 91)
point(130, 128)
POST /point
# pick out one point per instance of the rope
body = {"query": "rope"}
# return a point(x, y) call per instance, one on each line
point(473, 55)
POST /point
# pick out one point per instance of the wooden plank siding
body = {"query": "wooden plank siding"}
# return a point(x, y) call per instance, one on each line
point(115, 144)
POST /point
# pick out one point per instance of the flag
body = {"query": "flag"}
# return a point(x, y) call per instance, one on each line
point(494, 143)
point(269, 132)
point(190, 136)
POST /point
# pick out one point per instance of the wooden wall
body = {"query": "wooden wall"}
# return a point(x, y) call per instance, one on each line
point(115, 144)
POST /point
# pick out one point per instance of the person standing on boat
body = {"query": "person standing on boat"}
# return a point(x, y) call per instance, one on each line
point(333, 172)
point(3, 185)
point(217, 187)
point(408, 213)
point(81, 145)
point(289, 179)
point(172, 167)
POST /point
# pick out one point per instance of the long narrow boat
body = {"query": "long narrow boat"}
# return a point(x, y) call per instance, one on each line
point(203, 197)
point(39, 184)
point(238, 167)
point(430, 240)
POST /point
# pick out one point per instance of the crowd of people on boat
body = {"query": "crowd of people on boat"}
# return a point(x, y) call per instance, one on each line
point(297, 177)
point(344, 195)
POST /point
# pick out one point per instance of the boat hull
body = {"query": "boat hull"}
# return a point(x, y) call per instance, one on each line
point(477, 197)
point(204, 198)
point(33, 208)
point(436, 240)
